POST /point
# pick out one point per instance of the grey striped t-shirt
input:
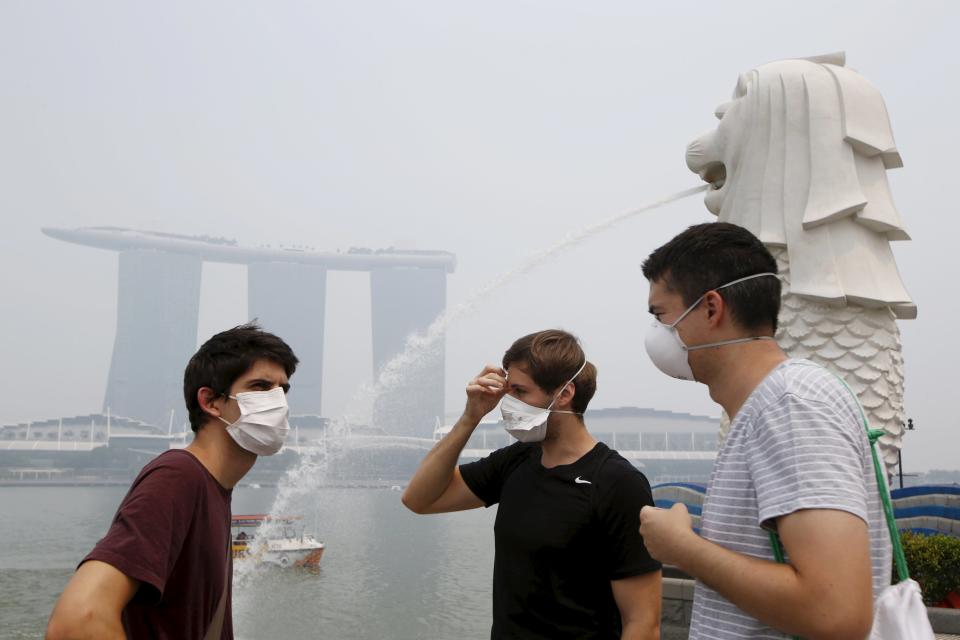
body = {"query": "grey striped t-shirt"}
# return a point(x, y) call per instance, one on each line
point(797, 443)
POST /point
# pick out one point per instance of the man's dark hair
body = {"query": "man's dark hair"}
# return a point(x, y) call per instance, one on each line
point(707, 256)
point(227, 356)
point(551, 358)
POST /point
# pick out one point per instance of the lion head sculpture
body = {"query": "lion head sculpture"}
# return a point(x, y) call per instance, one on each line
point(800, 159)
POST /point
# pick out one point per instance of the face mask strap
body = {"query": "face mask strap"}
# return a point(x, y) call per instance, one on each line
point(579, 371)
point(726, 342)
point(685, 313)
point(225, 394)
point(723, 286)
point(745, 278)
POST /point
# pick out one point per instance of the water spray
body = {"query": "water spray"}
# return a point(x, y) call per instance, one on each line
point(308, 474)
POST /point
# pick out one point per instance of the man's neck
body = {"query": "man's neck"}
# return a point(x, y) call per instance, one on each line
point(221, 456)
point(739, 369)
point(567, 440)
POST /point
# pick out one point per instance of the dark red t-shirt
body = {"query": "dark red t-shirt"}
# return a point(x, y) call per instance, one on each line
point(171, 533)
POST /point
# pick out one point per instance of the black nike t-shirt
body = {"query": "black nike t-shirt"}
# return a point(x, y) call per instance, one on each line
point(562, 534)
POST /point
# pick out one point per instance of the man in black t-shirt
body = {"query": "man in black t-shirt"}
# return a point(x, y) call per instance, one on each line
point(569, 561)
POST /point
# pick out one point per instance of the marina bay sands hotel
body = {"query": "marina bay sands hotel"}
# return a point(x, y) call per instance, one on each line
point(158, 306)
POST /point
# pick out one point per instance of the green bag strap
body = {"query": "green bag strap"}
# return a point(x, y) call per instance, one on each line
point(899, 560)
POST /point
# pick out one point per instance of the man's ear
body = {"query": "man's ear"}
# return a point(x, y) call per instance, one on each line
point(716, 308)
point(565, 399)
point(208, 398)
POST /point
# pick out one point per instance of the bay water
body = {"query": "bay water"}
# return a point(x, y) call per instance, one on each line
point(386, 572)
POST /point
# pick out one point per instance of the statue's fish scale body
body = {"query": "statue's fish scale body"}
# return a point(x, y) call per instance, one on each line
point(860, 345)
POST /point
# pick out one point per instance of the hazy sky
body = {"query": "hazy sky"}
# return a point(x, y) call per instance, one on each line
point(486, 129)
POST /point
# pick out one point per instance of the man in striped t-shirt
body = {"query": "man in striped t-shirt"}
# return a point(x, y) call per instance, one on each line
point(796, 460)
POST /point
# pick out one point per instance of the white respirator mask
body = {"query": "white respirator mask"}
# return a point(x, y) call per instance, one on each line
point(262, 426)
point(528, 423)
point(667, 350)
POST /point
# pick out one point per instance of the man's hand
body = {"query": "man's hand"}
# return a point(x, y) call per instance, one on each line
point(667, 532)
point(484, 392)
point(824, 592)
point(437, 486)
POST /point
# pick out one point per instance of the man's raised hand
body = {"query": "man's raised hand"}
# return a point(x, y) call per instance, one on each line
point(485, 391)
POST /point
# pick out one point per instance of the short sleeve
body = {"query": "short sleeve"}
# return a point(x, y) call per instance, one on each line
point(807, 454)
point(485, 477)
point(619, 501)
point(147, 533)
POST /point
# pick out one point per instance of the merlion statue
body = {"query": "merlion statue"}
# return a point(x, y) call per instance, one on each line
point(800, 158)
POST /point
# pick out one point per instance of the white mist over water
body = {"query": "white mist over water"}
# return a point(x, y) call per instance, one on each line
point(310, 474)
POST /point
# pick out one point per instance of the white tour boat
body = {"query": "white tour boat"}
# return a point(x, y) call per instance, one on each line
point(287, 546)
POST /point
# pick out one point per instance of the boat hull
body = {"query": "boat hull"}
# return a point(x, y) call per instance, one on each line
point(306, 557)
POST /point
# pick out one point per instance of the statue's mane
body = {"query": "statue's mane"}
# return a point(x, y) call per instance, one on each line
point(811, 154)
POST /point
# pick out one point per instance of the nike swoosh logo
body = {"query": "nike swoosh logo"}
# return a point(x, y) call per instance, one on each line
point(580, 480)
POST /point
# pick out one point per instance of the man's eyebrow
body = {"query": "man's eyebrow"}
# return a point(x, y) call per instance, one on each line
point(654, 309)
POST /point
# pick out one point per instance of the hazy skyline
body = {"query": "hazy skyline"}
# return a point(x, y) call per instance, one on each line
point(490, 131)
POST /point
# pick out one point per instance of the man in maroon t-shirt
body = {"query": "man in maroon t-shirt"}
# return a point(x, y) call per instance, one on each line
point(164, 568)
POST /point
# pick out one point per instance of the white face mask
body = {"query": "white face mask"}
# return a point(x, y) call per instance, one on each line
point(667, 350)
point(528, 423)
point(262, 426)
